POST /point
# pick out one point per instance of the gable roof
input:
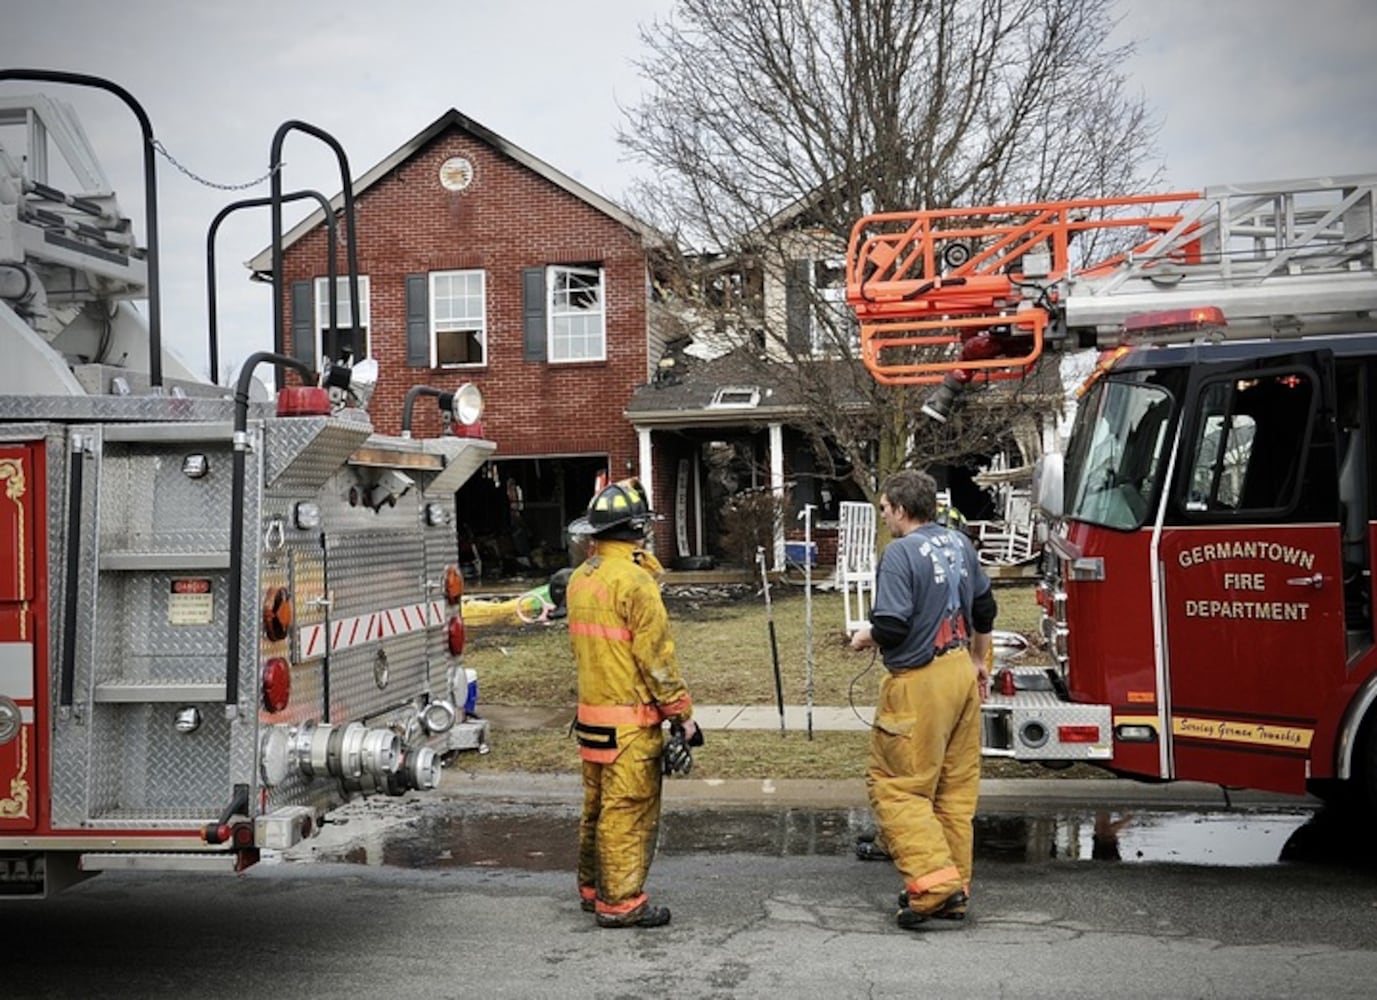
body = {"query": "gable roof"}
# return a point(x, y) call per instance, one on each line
point(687, 396)
point(262, 261)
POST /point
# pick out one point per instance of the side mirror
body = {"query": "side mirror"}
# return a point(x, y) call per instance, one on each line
point(1048, 485)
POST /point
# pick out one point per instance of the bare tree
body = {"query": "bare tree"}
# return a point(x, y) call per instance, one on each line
point(768, 117)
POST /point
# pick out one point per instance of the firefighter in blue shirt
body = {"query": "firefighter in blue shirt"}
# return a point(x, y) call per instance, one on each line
point(932, 620)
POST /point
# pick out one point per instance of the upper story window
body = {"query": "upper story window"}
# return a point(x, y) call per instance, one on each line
point(819, 322)
point(577, 316)
point(835, 331)
point(458, 318)
point(349, 334)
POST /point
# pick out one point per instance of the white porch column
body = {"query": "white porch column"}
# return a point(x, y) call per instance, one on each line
point(777, 486)
point(699, 548)
point(645, 471)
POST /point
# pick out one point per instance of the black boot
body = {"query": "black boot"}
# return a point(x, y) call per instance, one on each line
point(646, 916)
point(871, 848)
point(951, 908)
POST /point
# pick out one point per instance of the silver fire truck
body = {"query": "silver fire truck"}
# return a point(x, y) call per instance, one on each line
point(221, 615)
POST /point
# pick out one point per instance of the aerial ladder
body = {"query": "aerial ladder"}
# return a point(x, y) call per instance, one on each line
point(952, 297)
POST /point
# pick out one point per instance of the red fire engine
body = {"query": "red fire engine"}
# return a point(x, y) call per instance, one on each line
point(220, 616)
point(1207, 575)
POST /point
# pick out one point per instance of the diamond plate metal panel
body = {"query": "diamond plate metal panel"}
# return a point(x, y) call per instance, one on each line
point(27, 432)
point(141, 644)
point(71, 745)
point(301, 569)
point(463, 457)
point(1046, 712)
point(147, 770)
point(370, 572)
point(118, 761)
point(138, 766)
point(149, 505)
point(304, 452)
point(378, 568)
point(95, 409)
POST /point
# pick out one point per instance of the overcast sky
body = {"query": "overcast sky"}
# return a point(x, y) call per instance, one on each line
point(1245, 90)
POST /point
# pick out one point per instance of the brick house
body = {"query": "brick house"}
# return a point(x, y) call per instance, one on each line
point(480, 263)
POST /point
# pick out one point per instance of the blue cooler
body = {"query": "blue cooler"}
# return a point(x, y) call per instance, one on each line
point(471, 692)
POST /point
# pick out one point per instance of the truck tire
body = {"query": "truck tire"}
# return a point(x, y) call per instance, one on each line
point(1363, 790)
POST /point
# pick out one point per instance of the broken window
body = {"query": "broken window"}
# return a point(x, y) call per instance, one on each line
point(347, 334)
point(578, 328)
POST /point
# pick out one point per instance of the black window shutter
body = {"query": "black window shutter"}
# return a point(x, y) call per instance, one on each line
point(304, 324)
point(418, 321)
point(533, 313)
point(798, 307)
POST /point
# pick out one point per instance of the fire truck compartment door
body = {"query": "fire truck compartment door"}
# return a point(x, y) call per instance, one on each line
point(1252, 574)
point(19, 552)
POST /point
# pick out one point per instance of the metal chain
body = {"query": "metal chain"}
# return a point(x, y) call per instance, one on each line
point(161, 149)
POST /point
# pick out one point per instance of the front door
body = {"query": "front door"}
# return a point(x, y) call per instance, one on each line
point(1253, 586)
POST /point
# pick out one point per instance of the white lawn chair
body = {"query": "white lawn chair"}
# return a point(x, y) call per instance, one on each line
point(856, 561)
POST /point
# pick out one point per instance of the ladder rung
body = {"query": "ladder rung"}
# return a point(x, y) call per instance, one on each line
point(142, 693)
point(164, 560)
point(165, 433)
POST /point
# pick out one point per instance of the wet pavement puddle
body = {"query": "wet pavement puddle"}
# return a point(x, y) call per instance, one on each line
point(545, 840)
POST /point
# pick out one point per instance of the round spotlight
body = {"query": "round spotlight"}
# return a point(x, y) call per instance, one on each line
point(468, 404)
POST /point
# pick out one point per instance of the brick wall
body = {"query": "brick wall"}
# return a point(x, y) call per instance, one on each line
point(507, 219)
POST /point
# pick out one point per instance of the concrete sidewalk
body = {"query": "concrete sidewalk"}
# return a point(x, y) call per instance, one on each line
point(1008, 793)
point(1025, 795)
point(825, 718)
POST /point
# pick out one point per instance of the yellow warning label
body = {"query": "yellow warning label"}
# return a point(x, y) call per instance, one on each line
point(1231, 731)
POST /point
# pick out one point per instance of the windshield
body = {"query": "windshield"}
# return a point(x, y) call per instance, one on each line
point(1114, 459)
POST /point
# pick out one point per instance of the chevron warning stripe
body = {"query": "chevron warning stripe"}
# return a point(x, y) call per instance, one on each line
point(357, 630)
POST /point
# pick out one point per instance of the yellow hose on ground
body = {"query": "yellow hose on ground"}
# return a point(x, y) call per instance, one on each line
point(527, 609)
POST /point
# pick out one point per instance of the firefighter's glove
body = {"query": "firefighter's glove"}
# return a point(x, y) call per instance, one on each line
point(676, 758)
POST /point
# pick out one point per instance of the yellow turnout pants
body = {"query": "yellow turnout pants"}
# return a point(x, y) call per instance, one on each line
point(619, 825)
point(924, 774)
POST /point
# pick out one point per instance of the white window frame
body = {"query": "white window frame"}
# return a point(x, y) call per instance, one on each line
point(322, 300)
point(464, 324)
point(741, 397)
point(558, 342)
point(830, 298)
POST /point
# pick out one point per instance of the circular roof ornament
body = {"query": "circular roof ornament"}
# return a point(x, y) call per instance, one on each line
point(456, 173)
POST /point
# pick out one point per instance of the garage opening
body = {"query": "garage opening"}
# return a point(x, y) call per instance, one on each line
point(512, 516)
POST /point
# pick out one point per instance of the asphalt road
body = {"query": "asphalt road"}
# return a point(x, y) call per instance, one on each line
point(471, 894)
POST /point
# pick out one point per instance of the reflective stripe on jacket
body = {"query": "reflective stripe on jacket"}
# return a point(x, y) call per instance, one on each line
point(628, 673)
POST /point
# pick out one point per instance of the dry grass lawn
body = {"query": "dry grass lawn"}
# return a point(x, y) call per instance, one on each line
point(724, 650)
point(724, 653)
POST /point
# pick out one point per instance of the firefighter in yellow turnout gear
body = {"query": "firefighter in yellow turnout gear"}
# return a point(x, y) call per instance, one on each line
point(628, 683)
point(932, 619)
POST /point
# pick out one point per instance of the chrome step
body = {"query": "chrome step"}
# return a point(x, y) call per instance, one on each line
point(151, 861)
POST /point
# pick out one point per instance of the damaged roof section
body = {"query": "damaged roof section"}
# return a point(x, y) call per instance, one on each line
point(738, 387)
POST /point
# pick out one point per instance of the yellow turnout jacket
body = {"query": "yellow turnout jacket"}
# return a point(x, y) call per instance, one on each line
point(628, 674)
